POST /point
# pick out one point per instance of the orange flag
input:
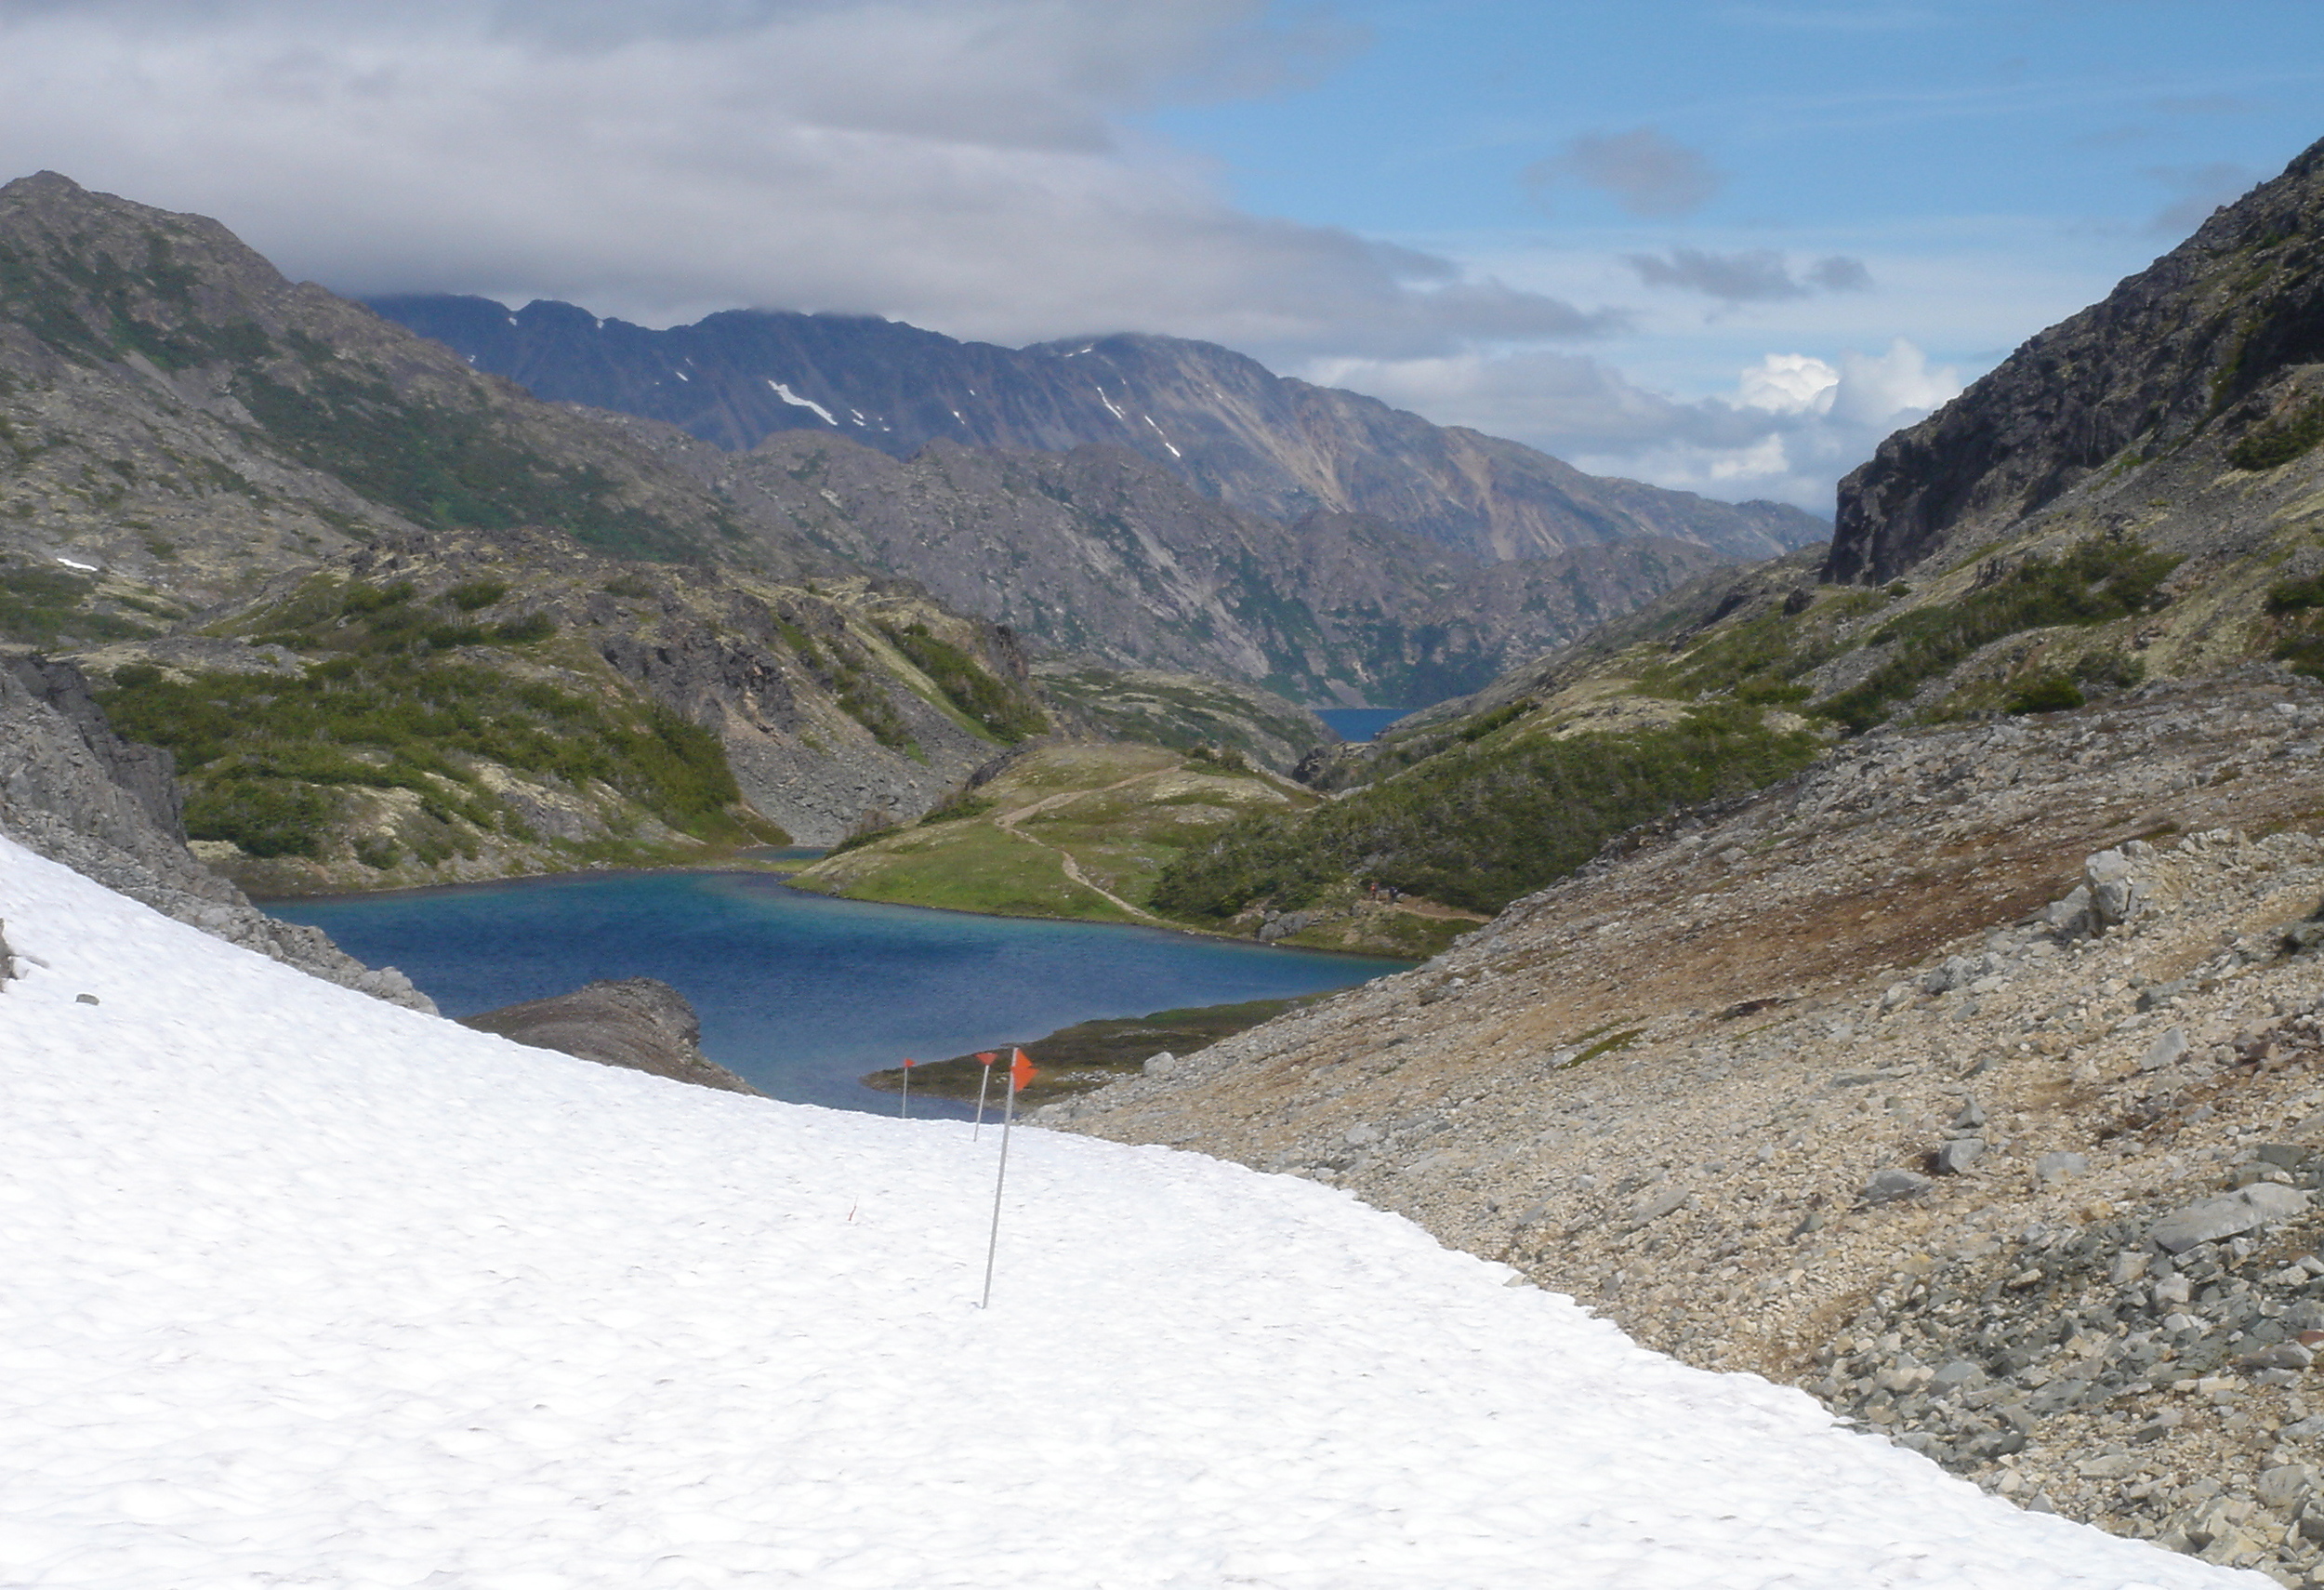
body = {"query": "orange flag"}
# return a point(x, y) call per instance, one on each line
point(1021, 1072)
point(986, 1059)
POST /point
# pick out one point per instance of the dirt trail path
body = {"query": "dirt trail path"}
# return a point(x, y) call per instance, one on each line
point(1007, 823)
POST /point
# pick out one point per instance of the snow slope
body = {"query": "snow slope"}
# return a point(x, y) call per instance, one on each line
point(300, 1289)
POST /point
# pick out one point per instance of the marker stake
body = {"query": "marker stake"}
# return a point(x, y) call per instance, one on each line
point(905, 1107)
point(1021, 1071)
point(985, 1061)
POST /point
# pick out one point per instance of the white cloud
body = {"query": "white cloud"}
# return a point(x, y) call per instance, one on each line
point(954, 162)
point(1788, 383)
point(1793, 424)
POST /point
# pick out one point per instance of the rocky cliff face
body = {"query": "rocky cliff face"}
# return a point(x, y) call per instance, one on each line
point(74, 792)
point(1263, 444)
point(2213, 350)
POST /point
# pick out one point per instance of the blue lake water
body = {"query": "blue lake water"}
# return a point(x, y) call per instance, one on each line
point(799, 994)
point(1361, 722)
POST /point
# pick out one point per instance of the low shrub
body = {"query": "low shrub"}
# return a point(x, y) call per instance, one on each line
point(1481, 824)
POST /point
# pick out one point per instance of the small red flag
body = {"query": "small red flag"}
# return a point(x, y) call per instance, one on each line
point(986, 1059)
point(1021, 1073)
point(910, 1062)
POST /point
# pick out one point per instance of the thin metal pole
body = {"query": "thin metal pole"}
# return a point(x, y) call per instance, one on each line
point(905, 1107)
point(986, 1061)
point(993, 1246)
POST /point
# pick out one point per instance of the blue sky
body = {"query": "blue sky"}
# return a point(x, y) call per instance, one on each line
point(1723, 245)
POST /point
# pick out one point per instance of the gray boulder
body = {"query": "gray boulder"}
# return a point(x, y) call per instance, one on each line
point(2259, 1204)
point(640, 1023)
point(1887, 1187)
point(2057, 1166)
point(2114, 897)
point(2167, 1050)
point(1959, 1155)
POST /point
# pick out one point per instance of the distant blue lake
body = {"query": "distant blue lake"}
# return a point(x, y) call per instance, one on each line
point(1361, 722)
point(799, 994)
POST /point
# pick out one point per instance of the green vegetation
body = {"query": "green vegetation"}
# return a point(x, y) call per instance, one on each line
point(265, 758)
point(959, 808)
point(1481, 824)
point(373, 621)
point(1008, 715)
point(2279, 443)
point(51, 606)
point(2096, 581)
point(1607, 1045)
point(1119, 811)
point(2050, 693)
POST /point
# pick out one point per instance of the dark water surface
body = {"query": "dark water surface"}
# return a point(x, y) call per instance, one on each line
point(1357, 723)
point(799, 994)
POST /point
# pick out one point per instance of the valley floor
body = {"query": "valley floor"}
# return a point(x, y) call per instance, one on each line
point(303, 1288)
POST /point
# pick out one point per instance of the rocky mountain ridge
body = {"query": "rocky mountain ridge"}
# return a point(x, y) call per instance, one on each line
point(2214, 349)
point(1266, 445)
point(1101, 553)
point(183, 426)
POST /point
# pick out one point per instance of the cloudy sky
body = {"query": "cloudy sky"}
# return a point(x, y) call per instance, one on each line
point(1716, 244)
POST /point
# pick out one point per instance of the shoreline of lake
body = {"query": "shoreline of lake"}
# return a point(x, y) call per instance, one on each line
point(802, 994)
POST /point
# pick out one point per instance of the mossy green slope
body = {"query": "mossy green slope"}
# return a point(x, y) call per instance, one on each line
point(1077, 831)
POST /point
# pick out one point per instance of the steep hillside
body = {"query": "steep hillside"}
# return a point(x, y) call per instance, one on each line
point(1255, 441)
point(1926, 1079)
point(472, 704)
point(2202, 370)
point(74, 792)
point(2016, 578)
point(200, 453)
point(1100, 552)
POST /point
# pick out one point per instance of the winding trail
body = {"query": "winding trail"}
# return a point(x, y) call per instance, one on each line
point(1007, 823)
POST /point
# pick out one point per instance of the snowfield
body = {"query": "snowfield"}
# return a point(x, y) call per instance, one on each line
point(298, 1288)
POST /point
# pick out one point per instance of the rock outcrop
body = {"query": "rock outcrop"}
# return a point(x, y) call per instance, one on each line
point(2217, 340)
point(640, 1022)
point(74, 792)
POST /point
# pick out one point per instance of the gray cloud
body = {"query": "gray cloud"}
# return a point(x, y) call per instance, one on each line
point(1748, 275)
point(2200, 190)
point(960, 164)
point(1644, 172)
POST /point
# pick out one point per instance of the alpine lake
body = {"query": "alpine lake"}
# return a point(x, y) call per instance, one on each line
point(802, 995)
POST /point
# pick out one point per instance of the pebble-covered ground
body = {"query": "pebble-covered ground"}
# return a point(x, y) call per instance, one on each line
point(1878, 1082)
